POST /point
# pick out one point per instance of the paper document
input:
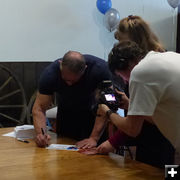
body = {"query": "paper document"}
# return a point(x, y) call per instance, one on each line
point(63, 147)
point(10, 134)
point(25, 131)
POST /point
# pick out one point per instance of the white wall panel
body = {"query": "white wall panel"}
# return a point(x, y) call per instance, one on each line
point(43, 30)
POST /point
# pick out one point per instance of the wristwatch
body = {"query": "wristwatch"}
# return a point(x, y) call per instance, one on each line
point(108, 113)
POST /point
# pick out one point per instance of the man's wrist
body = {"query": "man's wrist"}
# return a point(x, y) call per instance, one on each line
point(95, 138)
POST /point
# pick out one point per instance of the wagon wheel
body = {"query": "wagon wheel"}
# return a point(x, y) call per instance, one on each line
point(30, 106)
point(12, 99)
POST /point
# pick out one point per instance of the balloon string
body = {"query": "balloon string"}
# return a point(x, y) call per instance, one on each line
point(143, 7)
point(105, 53)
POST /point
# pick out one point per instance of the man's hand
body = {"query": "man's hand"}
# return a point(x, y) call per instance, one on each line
point(87, 143)
point(105, 148)
point(99, 126)
point(42, 140)
point(40, 106)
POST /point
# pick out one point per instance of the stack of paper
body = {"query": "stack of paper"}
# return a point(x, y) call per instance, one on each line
point(25, 132)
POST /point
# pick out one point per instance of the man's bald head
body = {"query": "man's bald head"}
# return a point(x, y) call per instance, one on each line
point(74, 61)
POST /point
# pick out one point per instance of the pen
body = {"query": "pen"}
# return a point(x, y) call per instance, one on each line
point(22, 140)
point(43, 133)
point(42, 130)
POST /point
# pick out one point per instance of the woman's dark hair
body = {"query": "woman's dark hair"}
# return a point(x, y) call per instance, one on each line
point(122, 54)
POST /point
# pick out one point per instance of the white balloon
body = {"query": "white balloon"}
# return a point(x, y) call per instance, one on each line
point(111, 19)
point(174, 3)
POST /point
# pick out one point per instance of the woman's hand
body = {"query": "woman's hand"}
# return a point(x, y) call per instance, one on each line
point(124, 100)
point(105, 148)
point(90, 151)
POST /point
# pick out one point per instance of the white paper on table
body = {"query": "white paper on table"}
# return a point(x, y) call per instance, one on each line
point(24, 131)
point(62, 147)
point(10, 134)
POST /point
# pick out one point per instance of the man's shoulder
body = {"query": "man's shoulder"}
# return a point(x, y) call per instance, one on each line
point(96, 64)
point(51, 71)
point(97, 68)
point(94, 59)
point(150, 68)
point(48, 79)
point(54, 64)
point(52, 67)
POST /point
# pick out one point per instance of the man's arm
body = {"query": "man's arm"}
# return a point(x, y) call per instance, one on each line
point(100, 124)
point(42, 103)
point(97, 130)
point(96, 133)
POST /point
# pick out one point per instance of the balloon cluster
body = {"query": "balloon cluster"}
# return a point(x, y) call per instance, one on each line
point(111, 15)
point(173, 3)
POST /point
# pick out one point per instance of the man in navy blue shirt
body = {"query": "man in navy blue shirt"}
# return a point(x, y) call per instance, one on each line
point(75, 79)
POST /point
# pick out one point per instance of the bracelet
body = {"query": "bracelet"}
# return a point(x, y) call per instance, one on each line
point(108, 113)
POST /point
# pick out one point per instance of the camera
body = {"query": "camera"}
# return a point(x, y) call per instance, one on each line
point(108, 95)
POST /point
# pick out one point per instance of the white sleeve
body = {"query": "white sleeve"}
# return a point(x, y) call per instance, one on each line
point(148, 83)
point(143, 98)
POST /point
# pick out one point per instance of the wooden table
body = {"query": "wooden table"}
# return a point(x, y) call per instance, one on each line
point(21, 161)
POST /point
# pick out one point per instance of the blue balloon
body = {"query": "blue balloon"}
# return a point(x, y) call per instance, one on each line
point(103, 5)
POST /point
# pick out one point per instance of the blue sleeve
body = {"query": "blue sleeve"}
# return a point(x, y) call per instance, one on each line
point(103, 72)
point(47, 82)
